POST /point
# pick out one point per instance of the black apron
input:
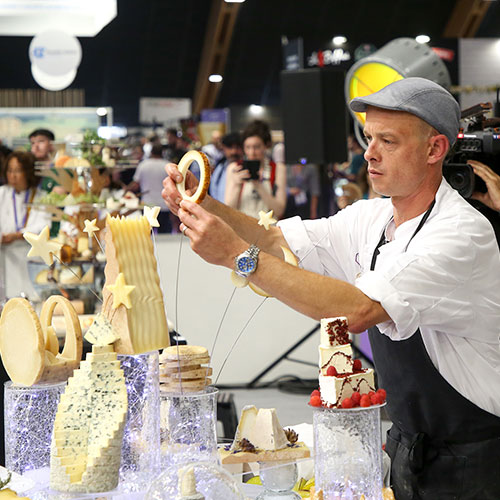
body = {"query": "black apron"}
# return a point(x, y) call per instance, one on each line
point(442, 446)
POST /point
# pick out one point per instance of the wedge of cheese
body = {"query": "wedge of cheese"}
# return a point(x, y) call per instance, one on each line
point(88, 428)
point(129, 251)
point(245, 425)
point(261, 428)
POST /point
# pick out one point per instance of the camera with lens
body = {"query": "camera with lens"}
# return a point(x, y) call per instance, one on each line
point(480, 141)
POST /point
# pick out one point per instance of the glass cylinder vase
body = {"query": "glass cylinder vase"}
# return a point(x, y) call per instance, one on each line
point(348, 452)
point(141, 438)
point(189, 426)
point(29, 414)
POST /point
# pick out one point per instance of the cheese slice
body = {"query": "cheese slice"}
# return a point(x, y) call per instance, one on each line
point(245, 425)
point(101, 331)
point(267, 433)
point(129, 251)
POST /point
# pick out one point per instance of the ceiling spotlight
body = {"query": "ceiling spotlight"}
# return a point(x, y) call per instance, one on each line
point(256, 109)
point(423, 39)
point(339, 40)
point(101, 111)
point(215, 78)
point(234, 1)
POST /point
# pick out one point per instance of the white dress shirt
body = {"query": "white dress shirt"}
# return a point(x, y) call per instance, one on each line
point(37, 219)
point(447, 282)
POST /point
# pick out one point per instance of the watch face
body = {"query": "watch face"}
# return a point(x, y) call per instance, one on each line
point(245, 265)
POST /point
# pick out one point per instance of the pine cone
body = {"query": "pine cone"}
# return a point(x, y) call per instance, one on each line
point(246, 445)
point(291, 435)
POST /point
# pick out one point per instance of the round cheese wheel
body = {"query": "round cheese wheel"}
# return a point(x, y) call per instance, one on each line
point(22, 344)
point(183, 167)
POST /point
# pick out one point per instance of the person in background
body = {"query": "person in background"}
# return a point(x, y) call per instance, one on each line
point(348, 194)
point(365, 183)
point(492, 180)
point(4, 152)
point(214, 149)
point(303, 190)
point(20, 190)
point(42, 148)
point(174, 150)
point(148, 179)
point(266, 193)
point(232, 148)
point(356, 154)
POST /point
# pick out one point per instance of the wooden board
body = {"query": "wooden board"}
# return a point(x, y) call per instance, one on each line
point(298, 450)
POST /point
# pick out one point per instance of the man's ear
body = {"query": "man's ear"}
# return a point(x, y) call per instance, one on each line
point(438, 148)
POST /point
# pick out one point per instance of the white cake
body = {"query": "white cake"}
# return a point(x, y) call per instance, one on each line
point(340, 375)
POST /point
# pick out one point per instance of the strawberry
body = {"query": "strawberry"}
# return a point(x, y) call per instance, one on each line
point(365, 401)
point(356, 365)
point(376, 399)
point(316, 393)
point(315, 401)
point(356, 398)
point(382, 393)
point(331, 372)
point(347, 403)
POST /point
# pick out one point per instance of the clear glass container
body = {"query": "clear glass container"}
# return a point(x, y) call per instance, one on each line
point(348, 452)
point(141, 438)
point(188, 426)
point(278, 478)
point(29, 414)
point(212, 482)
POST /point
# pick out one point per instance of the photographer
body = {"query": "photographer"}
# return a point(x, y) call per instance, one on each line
point(267, 190)
point(492, 180)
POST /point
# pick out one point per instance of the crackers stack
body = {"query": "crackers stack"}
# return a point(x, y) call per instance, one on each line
point(183, 369)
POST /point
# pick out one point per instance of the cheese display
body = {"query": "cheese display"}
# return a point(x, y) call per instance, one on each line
point(343, 382)
point(260, 438)
point(132, 298)
point(182, 369)
point(88, 429)
point(29, 345)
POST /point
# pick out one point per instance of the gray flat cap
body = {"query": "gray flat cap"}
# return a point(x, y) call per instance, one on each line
point(420, 97)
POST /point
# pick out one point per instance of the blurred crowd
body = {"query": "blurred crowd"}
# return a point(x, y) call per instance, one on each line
point(248, 172)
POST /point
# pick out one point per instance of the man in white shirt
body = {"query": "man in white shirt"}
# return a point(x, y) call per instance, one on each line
point(421, 270)
point(148, 178)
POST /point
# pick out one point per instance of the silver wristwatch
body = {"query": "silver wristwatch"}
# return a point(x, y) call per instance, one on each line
point(246, 262)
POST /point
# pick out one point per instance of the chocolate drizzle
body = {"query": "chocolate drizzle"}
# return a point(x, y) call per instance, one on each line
point(337, 332)
point(355, 388)
point(338, 353)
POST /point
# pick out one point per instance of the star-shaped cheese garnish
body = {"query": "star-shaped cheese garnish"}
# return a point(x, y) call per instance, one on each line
point(151, 213)
point(121, 292)
point(266, 219)
point(42, 246)
point(91, 227)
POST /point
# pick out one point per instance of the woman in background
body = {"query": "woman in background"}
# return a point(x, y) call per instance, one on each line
point(20, 190)
point(266, 193)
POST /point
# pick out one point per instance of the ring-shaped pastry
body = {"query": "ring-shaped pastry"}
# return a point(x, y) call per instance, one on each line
point(183, 167)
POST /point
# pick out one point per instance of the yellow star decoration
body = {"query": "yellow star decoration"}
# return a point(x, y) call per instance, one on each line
point(121, 292)
point(151, 213)
point(266, 219)
point(41, 246)
point(91, 227)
